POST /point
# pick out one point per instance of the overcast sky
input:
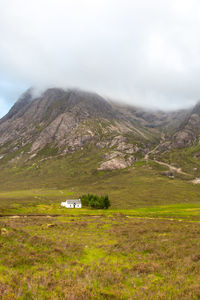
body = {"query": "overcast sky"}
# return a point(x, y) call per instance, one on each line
point(144, 52)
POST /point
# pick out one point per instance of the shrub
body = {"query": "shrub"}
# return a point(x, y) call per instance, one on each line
point(95, 201)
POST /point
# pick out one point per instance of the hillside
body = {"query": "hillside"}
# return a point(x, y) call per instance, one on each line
point(79, 141)
point(61, 122)
point(182, 148)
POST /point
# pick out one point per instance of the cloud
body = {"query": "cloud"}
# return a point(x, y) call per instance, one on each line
point(3, 107)
point(144, 52)
point(9, 92)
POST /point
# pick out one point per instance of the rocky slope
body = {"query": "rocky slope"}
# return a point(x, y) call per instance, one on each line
point(187, 134)
point(64, 121)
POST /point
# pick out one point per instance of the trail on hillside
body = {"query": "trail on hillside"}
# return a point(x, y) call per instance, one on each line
point(171, 168)
point(151, 152)
point(178, 170)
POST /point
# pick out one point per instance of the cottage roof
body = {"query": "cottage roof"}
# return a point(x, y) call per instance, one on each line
point(72, 201)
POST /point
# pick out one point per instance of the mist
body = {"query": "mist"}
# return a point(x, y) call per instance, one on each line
point(143, 52)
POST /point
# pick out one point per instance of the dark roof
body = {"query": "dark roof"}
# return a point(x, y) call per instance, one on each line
point(72, 201)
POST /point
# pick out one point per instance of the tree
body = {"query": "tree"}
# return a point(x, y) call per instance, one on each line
point(95, 201)
point(106, 202)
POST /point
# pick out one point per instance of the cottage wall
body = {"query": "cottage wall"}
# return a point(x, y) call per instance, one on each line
point(72, 205)
point(67, 205)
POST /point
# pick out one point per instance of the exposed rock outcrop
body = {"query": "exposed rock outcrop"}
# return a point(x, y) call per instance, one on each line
point(187, 134)
point(68, 120)
point(116, 163)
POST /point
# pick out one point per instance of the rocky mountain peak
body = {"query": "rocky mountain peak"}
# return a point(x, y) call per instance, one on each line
point(196, 109)
point(68, 120)
point(19, 106)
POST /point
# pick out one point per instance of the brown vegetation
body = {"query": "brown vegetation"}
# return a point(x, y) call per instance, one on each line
point(99, 258)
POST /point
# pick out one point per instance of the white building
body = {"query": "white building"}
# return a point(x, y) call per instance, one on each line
point(72, 203)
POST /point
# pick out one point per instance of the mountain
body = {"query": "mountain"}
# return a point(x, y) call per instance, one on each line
point(187, 133)
point(63, 121)
point(80, 142)
point(181, 147)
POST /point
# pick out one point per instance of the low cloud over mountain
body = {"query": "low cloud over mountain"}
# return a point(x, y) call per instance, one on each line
point(141, 52)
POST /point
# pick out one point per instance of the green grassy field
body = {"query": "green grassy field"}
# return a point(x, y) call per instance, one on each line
point(146, 252)
point(146, 246)
point(139, 186)
point(102, 256)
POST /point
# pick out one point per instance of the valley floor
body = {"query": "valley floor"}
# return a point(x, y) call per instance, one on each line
point(145, 247)
point(109, 254)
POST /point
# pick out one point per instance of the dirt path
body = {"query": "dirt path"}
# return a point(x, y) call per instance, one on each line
point(150, 152)
point(172, 168)
point(179, 219)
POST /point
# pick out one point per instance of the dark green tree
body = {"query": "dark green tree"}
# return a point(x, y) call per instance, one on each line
point(106, 202)
point(94, 201)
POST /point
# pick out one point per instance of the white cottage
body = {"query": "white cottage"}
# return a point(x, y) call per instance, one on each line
point(72, 203)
